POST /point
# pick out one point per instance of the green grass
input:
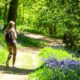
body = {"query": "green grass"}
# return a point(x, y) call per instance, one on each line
point(3, 48)
point(41, 74)
point(2, 40)
point(3, 55)
point(46, 73)
point(59, 54)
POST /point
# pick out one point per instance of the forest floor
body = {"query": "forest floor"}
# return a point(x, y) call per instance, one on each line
point(27, 59)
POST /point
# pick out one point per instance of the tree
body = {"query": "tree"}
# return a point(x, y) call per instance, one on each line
point(5, 12)
point(13, 10)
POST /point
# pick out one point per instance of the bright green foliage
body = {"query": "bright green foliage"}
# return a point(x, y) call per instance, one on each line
point(55, 74)
point(58, 72)
point(3, 55)
point(2, 40)
point(51, 17)
point(2, 8)
point(59, 54)
point(43, 74)
point(3, 50)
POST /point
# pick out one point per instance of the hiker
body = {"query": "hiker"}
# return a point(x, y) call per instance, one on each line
point(10, 37)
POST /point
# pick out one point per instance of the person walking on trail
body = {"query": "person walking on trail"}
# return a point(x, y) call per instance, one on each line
point(10, 37)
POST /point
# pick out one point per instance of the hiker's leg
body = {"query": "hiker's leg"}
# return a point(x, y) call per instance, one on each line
point(9, 56)
point(14, 54)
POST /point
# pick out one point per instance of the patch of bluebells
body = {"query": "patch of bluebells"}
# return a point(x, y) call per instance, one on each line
point(63, 64)
point(63, 70)
point(59, 70)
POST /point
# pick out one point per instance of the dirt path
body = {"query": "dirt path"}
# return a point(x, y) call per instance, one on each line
point(26, 61)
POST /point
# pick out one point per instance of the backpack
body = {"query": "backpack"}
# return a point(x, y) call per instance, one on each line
point(8, 37)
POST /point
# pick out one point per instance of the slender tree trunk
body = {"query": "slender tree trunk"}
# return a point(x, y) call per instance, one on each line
point(23, 13)
point(13, 10)
point(5, 15)
point(5, 12)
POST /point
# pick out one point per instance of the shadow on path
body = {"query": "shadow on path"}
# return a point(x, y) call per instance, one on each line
point(31, 42)
point(19, 71)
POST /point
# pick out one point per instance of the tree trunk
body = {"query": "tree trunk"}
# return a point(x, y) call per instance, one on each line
point(5, 15)
point(5, 12)
point(23, 13)
point(13, 10)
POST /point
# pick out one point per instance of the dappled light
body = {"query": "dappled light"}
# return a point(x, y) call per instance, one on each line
point(30, 41)
point(34, 36)
point(39, 39)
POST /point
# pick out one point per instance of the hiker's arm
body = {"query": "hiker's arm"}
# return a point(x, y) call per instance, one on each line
point(14, 36)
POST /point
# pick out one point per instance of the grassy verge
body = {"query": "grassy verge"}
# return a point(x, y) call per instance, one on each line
point(3, 48)
point(58, 65)
point(3, 55)
point(59, 54)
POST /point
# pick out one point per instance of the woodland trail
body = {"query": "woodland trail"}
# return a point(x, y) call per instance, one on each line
point(26, 60)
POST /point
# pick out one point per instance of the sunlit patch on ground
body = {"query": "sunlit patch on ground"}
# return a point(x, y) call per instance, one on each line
point(34, 36)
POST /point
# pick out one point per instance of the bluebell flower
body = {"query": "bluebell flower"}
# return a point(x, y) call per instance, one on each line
point(64, 64)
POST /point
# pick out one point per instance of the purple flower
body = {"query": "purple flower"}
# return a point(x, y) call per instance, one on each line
point(64, 64)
